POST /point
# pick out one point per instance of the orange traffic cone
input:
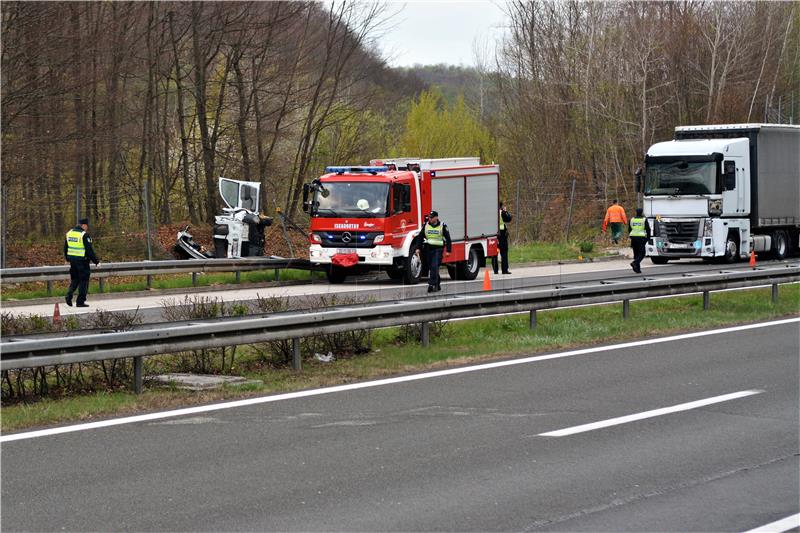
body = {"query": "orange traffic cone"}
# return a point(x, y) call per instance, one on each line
point(752, 259)
point(56, 315)
point(487, 282)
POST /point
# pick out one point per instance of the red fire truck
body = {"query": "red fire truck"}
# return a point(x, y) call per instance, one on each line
point(366, 218)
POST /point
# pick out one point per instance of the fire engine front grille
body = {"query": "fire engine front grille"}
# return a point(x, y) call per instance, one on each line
point(348, 239)
point(685, 231)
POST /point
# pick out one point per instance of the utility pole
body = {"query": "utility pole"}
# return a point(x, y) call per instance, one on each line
point(571, 202)
point(147, 220)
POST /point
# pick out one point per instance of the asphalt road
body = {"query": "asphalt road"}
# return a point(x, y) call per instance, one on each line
point(149, 307)
point(462, 451)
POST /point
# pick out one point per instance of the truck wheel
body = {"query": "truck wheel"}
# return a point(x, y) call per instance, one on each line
point(394, 273)
point(452, 271)
point(659, 260)
point(780, 245)
point(412, 268)
point(731, 250)
point(335, 275)
point(468, 270)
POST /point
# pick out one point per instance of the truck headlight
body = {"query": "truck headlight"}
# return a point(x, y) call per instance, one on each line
point(315, 238)
point(378, 238)
point(708, 227)
point(715, 207)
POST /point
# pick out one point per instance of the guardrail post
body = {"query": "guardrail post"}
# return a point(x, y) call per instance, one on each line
point(194, 279)
point(277, 274)
point(238, 276)
point(102, 284)
point(626, 309)
point(533, 319)
point(706, 300)
point(137, 374)
point(149, 281)
point(49, 288)
point(296, 361)
point(425, 335)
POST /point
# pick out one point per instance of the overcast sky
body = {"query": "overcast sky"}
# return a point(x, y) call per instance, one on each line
point(431, 32)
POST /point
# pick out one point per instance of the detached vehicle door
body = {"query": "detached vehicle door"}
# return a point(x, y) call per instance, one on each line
point(240, 194)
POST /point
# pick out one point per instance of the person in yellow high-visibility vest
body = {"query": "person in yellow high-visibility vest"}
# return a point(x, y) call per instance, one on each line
point(437, 238)
point(78, 251)
point(504, 217)
point(639, 232)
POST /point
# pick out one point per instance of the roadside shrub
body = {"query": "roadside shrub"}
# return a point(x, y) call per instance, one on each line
point(587, 247)
point(413, 332)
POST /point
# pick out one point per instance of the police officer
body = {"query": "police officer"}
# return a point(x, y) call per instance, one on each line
point(639, 232)
point(437, 238)
point(504, 217)
point(78, 251)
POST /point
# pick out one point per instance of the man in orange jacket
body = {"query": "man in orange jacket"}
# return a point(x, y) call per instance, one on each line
point(615, 215)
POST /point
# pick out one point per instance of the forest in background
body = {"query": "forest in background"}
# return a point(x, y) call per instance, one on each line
point(119, 105)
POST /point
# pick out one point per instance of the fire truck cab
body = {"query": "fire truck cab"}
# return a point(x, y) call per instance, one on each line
point(365, 218)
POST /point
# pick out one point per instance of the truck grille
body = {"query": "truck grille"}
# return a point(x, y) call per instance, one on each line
point(352, 239)
point(685, 231)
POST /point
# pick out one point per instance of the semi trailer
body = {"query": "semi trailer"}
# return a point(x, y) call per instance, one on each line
point(722, 192)
point(365, 218)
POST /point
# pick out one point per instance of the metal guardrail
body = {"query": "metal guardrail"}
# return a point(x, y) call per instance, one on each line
point(152, 268)
point(154, 339)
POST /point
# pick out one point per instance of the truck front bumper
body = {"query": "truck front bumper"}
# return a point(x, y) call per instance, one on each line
point(661, 247)
point(378, 255)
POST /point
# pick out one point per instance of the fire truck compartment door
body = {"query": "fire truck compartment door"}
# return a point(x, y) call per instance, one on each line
point(482, 211)
point(447, 198)
point(240, 194)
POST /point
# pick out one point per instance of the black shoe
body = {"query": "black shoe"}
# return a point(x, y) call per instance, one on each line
point(496, 272)
point(82, 305)
point(430, 288)
point(438, 288)
point(68, 300)
point(633, 265)
point(506, 272)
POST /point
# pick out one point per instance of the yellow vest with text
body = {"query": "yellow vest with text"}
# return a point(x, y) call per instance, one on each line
point(637, 227)
point(434, 236)
point(75, 247)
point(502, 224)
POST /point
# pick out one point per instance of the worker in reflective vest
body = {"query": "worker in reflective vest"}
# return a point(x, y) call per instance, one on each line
point(639, 232)
point(615, 215)
point(504, 217)
point(78, 251)
point(436, 238)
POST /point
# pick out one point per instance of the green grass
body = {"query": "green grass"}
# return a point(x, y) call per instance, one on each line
point(549, 251)
point(462, 342)
point(170, 281)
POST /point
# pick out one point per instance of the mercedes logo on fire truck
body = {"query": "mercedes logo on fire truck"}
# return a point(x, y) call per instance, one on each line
point(347, 237)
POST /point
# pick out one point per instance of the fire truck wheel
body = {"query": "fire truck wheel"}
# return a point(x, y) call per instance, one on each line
point(412, 268)
point(468, 270)
point(394, 273)
point(452, 271)
point(335, 275)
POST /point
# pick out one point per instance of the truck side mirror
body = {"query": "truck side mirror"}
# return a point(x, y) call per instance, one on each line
point(306, 189)
point(729, 176)
point(638, 180)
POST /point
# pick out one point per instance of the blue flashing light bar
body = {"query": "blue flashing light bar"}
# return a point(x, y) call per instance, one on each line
point(356, 170)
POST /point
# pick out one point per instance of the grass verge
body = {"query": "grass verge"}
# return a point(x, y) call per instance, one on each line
point(29, 291)
point(550, 251)
point(462, 342)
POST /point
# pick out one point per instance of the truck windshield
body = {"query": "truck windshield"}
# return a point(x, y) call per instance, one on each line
point(351, 199)
point(681, 177)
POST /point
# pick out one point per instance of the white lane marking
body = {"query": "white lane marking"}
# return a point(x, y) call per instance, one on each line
point(779, 526)
point(648, 414)
point(380, 382)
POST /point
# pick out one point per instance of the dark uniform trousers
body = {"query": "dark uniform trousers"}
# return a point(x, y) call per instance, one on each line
point(502, 246)
point(434, 256)
point(79, 278)
point(638, 244)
